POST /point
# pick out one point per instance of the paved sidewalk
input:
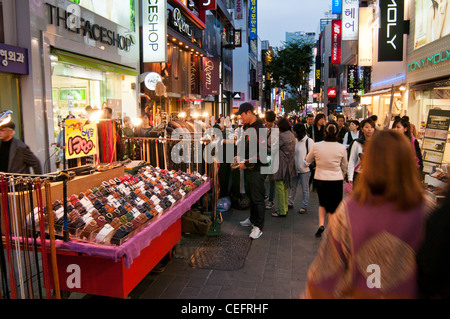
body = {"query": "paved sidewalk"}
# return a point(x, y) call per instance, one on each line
point(275, 267)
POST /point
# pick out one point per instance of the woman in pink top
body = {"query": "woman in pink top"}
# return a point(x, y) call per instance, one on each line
point(369, 248)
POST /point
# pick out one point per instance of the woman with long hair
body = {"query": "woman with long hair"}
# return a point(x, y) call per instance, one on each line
point(370, 245)
point(331, 164)
point(402, 125)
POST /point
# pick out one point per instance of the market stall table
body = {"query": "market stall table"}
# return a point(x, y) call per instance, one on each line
point(115, 271)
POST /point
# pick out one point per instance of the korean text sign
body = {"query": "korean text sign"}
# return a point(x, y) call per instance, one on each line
point(350, 13)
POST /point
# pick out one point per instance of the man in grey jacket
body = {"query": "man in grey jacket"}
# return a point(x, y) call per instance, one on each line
point(15, 155)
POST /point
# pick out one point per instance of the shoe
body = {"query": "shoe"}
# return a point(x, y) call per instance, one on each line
point(302, 211)
point(276, 214)
point(290, 206)
point(256, 233)
point(319, 232)
point(269, 205)
point(246, 223)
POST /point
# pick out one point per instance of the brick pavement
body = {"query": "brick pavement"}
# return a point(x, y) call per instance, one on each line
point(275, 267)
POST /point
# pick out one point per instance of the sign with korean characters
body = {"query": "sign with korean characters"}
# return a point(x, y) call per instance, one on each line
point(13, 59)
point(253, 30)
point(350, 13)
point(80, 138)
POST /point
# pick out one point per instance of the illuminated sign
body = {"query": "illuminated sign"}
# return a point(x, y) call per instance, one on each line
point(390, 36)
point(154, 31)
point(350, 19)
point(336, 41)
point(434, 59)
point(331, 92)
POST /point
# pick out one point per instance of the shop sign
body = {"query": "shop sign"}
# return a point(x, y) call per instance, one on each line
point(365, 37)
point(331, 92)
point(390, 35)
point(336, 6)
point(154, 31)
point(253, 31)
point(352, 79)
point(336, 41)
point(151, 79)
point(208, 4)
point(211, 76)
point(239, 10)
point(13, 59)
point(80, 138)
point(178, 21)
point(434, 59)
point(73, 22)
point(350, 22)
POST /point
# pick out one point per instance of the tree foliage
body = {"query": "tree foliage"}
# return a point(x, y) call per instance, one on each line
point(291, 65)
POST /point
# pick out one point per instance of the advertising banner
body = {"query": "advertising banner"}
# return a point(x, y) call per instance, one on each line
point(195, 74)
point(350, 13)
point(432, 21)
point(435, 139)
point(336, 33)
point(80, 138)
point(211, 76)
point(390, 35)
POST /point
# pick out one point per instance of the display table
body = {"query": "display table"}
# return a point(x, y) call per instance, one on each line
point(115, 271)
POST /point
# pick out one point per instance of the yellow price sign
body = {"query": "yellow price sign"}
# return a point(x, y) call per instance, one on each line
point(80, 138)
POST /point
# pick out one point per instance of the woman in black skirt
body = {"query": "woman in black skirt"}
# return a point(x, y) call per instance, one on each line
point(331, 165)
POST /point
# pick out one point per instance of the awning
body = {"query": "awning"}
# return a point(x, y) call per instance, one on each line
point(82, 60)
point(431, 85)
point(379, 92)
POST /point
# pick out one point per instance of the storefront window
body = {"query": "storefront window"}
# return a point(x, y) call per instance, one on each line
point(75, 87)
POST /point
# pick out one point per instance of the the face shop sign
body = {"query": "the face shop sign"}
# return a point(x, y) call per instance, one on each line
point(71, 20)
point(179, 23)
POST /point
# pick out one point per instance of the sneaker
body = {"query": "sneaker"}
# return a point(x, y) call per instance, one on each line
point(246, 223)
point(269, 205)
point(256, 233)
point(319, 232)
point(302, 211)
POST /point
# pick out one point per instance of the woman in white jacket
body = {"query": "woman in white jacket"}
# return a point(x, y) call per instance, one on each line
point(302, 147)
point(331, 165)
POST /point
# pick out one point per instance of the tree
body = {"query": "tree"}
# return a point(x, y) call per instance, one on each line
point(290, 67)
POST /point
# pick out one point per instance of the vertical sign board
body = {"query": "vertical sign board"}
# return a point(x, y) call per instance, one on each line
point(239, 9)
point(253, 28)
point(390, 35)
point(211, 76)
point(365, 37)
point(336, 6)
point(154, 31)
point(352, 79)
point(336, 33)
point(435, 139)
point(350, 13)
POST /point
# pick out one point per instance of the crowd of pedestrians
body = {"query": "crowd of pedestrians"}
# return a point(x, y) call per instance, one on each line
point(380, 239)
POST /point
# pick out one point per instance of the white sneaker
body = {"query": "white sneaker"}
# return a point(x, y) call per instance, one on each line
point(246, 223)
point(256, 233)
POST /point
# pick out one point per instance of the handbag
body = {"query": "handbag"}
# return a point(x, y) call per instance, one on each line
point(348, 188)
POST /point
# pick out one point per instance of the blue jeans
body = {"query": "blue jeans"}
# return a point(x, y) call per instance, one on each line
point(303, 178)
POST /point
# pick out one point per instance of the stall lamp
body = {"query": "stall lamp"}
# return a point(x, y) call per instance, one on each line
point(182, 114)
point(5, 117)
point(136, 121)
point(402, 88)
point(195, 115)
point(205, 114)
point(95, 116)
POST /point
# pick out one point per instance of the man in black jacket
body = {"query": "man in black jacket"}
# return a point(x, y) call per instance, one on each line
point(252, 165)
point(16, 156)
